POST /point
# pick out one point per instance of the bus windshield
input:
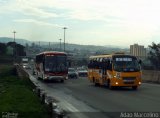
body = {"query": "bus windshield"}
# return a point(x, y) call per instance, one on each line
point(55, 63)
point(126, 64)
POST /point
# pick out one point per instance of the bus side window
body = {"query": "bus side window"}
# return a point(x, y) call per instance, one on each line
point(103, 64)
point(95, 64)
point(109, 65)
point(90, 64)
point(100, 63)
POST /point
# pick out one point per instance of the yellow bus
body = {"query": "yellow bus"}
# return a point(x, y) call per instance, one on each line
point(115, 70)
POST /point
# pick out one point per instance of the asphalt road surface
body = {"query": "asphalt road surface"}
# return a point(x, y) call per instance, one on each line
point(82, 99)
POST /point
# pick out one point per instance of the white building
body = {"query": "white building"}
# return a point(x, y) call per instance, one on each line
point(139, 51)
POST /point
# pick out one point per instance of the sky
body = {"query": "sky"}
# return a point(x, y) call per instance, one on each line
point(89, 22)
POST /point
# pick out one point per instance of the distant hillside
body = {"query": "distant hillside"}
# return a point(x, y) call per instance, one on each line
point(106, 49)
point(20, 41)
point(24, 41)
point(85, 48)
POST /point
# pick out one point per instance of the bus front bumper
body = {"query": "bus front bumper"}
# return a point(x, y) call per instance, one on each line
point(125, 83)
point(55, 77)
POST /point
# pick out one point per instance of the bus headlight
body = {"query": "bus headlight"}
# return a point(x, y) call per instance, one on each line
point(46, 77)
point(65, 77)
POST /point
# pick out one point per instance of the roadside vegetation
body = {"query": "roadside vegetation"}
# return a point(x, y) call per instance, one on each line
point(154, 55)
point(17, 96)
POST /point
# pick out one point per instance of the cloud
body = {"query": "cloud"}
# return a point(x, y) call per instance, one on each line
point(38, 12)
point(26, 8)
point(41, 23)
point(99, 19)
point(87, 9)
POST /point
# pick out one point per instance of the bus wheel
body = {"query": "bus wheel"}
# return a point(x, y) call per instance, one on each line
point(108, 82)
point(44, 80)
point(134, 87)
point(62, 81)
point(93, 80)
point(109, 86)
point(96, 84)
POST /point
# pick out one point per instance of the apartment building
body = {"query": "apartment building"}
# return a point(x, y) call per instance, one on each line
point(139, 51)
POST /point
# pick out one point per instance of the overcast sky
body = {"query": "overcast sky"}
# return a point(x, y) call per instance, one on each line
point(97, 22)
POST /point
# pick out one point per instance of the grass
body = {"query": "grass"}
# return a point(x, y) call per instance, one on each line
point(17, 96)
point(4, 59)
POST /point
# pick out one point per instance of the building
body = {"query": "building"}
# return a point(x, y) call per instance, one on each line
point(139, 51)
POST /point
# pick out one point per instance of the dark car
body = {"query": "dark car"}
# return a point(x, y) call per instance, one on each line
point(72, 73)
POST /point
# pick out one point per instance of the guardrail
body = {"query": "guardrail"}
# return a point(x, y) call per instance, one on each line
point(151, 76)
point(21, 72)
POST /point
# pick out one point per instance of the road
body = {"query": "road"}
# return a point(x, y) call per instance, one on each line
point(80, 98)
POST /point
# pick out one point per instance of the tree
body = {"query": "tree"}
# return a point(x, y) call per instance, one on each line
point(3, 48)
point(11, 44)
point(20, 50)
point(154, 55)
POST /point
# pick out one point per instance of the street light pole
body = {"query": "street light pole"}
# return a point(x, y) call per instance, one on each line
point(60, 44)
point(64, 37)
point(49, 46)
point(15, 52)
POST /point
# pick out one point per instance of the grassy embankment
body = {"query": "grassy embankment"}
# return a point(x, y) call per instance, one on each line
point(17, 96)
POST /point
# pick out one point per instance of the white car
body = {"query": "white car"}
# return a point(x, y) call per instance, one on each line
point(72, 73)
point(82, 72)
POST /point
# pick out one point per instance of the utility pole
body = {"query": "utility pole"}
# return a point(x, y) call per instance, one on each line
point(49, 46)
point(14, 52)
point(60, 44)
point(64, 37)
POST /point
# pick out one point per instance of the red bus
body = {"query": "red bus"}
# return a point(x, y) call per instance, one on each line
point(51, 65)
